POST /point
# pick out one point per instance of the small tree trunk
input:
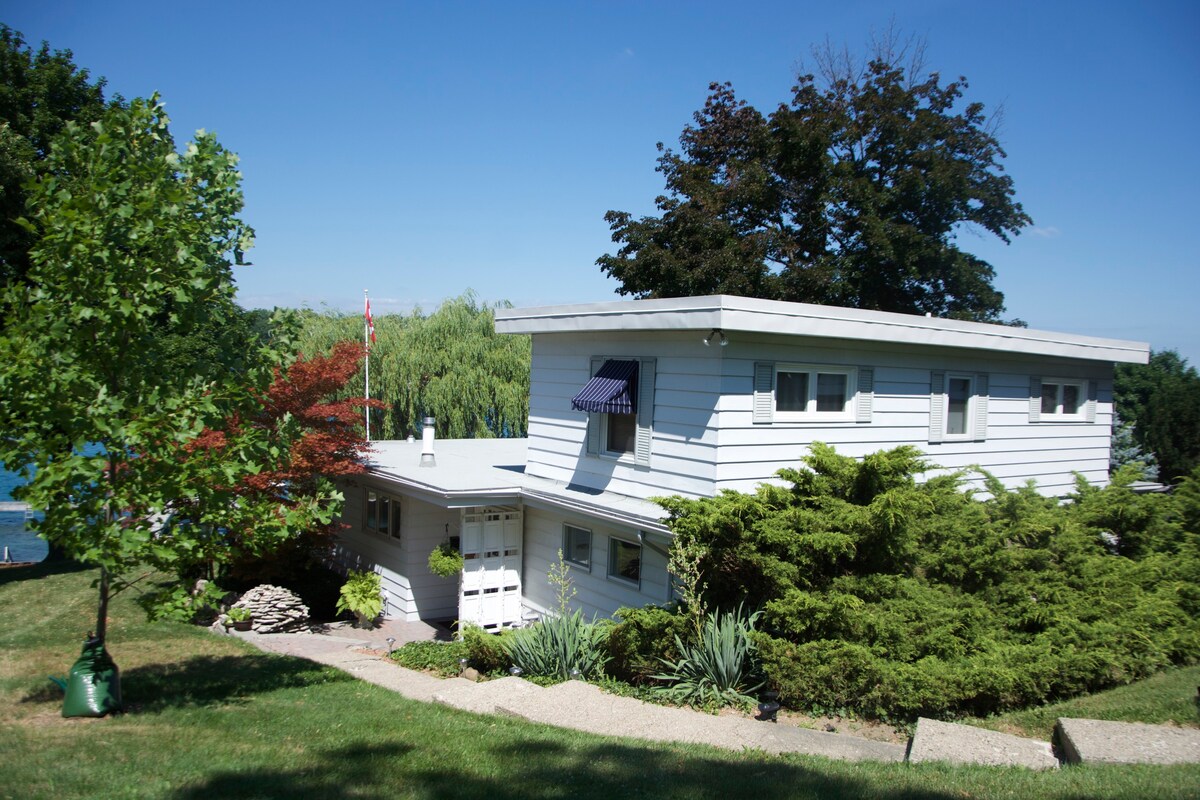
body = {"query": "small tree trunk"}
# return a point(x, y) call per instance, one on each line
point(102, 612)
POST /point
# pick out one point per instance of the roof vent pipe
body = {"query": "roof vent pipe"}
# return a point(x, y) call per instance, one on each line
point(427, 459)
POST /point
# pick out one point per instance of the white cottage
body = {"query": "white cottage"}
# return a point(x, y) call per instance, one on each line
point(631, 400)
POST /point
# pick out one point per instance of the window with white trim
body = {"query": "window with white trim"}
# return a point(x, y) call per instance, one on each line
point(382, 514)
point(1063, 399)
point(624, 561)
point(577, 546)
point(619, 401)
point(814, 394)
point(958, 406)
point(960, 401)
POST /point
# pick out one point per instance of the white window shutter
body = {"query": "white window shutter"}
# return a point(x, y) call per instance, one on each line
point(981, 407)
point(937, 406)
point(1090, 409)
point(645, 414)
point(1035, 399)
point(866, 394)
point(764, 392)
point(593, 420)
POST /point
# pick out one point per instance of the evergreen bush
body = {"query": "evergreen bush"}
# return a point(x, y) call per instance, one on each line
point(895, 597)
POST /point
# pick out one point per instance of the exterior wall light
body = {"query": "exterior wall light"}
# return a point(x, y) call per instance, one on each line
point(716, 332)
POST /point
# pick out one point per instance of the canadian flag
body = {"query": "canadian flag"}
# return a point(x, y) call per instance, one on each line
point(370, 323)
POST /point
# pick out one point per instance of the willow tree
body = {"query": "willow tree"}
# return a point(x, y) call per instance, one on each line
point(133, 242)
point(450, 365)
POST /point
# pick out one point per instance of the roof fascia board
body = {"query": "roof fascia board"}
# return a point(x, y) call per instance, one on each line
point(804, 319)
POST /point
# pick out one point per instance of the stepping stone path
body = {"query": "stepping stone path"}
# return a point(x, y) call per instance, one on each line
point(582, 706)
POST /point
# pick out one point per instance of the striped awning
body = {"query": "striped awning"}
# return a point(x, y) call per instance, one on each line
point(612, 391)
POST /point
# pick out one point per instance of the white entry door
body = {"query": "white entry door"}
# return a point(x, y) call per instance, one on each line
point(490, 593)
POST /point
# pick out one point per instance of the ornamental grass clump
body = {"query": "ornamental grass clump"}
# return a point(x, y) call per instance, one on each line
point(561, 647)
point(719, 669)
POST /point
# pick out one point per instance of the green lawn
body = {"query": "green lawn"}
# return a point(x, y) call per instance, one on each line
point(212, 718)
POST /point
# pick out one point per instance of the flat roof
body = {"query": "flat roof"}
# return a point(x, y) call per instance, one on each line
point(755, 315)
point(480, 472)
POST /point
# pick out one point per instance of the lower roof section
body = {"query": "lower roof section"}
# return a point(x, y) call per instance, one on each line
point(478, 472)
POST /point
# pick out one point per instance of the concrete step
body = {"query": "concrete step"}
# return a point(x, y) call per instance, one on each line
point(487, 697)
point(1091, 741)
point(965, 744)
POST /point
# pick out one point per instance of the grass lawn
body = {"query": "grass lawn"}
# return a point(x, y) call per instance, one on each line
point(209, 717)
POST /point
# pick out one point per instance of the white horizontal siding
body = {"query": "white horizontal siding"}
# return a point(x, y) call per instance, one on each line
point(705, 438)
point(412, 592)
point(596, 593)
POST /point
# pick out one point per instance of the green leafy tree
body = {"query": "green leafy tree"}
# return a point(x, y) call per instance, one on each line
point(132, 240)
point(852, 195)
point(1161, 400)
point(40, 91)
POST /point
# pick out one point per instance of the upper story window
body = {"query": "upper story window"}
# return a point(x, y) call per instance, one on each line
point(812, 393)
point(619, 400)
point(958, 406)
point(1062, 400)
point(960, 393)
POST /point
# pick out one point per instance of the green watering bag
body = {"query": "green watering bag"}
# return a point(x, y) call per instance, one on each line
point(94, 684)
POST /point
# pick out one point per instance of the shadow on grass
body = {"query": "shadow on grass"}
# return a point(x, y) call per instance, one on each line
point(535, 767)
point(39, 570)
point(217, 680)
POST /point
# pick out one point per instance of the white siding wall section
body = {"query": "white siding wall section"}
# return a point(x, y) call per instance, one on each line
point(686, 394)
point(596, 593)
point(706, 439)
point(1012, 448)
point(411, 590)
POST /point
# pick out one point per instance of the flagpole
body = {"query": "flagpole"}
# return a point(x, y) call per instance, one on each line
point(367, 362)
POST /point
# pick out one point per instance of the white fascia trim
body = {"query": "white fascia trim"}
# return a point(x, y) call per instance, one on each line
point(552, 502)
point(805, 319)
point(449, 498)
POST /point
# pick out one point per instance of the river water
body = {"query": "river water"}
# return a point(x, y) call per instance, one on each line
point(22, 545)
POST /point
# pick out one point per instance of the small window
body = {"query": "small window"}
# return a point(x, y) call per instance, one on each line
point(624, 561)
point(382, 514)
point(958, 405)
point(372, 516)
point(813, 394)
point(577, 546)
point(620, 432)
point(1063, 399)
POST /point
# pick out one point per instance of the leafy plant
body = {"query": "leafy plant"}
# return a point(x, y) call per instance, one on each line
point(445, 561)
point(362, 594)
point(642, 639)
point(717, 670)
point(238, 614)
point(558, 647)
point(486, 651)
point(441, 658)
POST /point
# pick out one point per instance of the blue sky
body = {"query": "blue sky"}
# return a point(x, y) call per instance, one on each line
point(422, 149)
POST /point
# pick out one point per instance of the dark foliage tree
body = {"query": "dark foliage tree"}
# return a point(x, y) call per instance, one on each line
point(1161, 400)
point(40, 91)
point(852, 195)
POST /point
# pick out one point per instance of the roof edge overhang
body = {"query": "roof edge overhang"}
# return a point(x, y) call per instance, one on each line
point(755, 315)
point(520, 494)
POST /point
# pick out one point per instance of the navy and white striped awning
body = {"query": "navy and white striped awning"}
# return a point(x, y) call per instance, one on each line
point(612, 391)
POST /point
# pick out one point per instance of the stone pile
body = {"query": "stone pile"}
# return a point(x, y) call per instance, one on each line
point(274, 609)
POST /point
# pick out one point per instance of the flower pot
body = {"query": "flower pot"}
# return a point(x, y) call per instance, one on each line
point(243, 624)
